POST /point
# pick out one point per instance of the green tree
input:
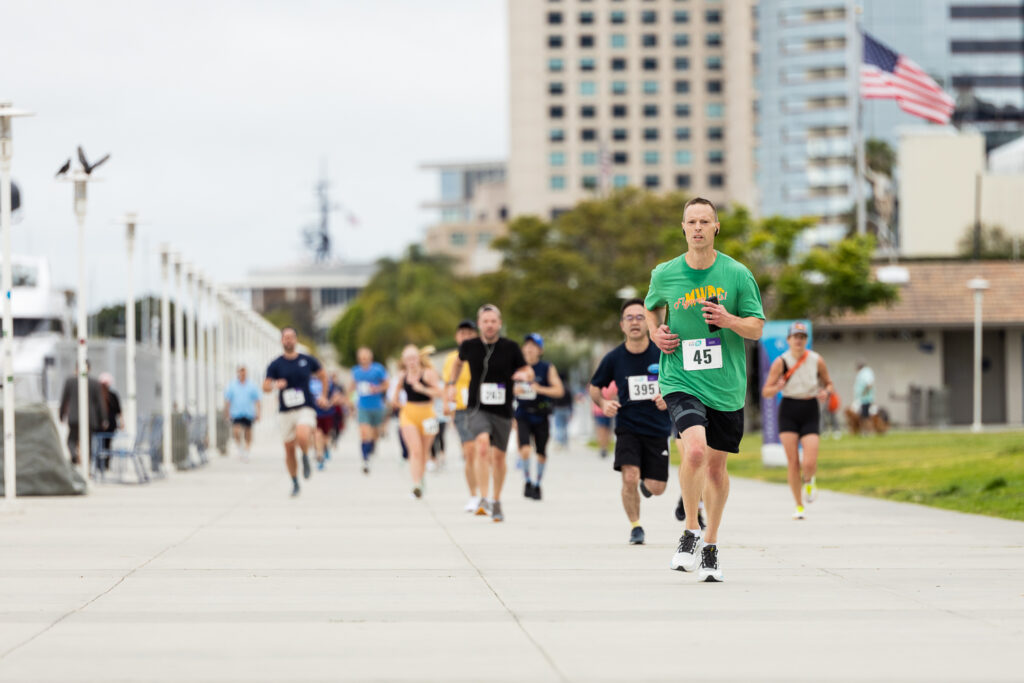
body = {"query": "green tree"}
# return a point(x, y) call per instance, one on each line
point(995, 243)
point(879, 156)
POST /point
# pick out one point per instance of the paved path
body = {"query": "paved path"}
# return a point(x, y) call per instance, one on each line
point(216, 575)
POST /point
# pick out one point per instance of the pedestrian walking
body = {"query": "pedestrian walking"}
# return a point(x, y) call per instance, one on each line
point(242, 409)
point(69, 411)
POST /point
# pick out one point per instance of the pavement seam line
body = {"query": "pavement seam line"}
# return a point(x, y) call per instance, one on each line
point(121, 580)
point(515, 617)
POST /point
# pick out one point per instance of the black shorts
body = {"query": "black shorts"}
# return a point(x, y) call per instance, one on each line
point(242, 422)
point(537, 427)
point(800, 415)
point(724, 428)
point(649, 453)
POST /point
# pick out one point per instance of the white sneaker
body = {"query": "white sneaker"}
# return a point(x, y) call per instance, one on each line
point(472, 505)
point(709, 569)
point(431, 466)
point(799, 514)
point(687, 555)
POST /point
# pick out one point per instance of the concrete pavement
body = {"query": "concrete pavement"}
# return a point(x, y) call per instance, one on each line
point(217, 575)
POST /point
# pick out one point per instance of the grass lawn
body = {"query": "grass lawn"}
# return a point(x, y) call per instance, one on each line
point(979, 473)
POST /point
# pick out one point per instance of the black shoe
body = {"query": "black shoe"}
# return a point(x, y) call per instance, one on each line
point(636, 536)
point(295, 488)
point(681, 511)
point(528, 490)
point(644, 490)
point(536, 492)
point(700, 519)
point(604, 453)
point(306, 470)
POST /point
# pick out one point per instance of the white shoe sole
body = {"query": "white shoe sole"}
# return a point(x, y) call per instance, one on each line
point(710, 575)
point(682, 562)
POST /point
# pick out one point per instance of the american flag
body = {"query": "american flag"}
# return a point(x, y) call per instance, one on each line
point(888, 75)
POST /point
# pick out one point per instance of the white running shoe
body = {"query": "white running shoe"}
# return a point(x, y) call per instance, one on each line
point(810, 490)
point(687, 555)
point(709, 569)
point(472, 504)
point(431, 466)
point(799, 514)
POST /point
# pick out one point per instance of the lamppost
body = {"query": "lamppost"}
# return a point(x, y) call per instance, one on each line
point(978, 285)
point(130, 414)
point(212, 355)
point(165, 354)
point(201, 349)
point(190, 357)
point(179, 335)
point(7, 112)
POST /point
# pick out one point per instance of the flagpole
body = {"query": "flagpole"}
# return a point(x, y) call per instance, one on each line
point(858, 139)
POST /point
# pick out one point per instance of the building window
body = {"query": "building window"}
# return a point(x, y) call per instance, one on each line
point(683, 157)
point(588, 158)
point(586, 17)
point(682, 111)
point(716, 180)
point(588, 111)
point(986, 46)
point(620, 158)
point(555, 88)
point(620, 181)
point(650, 64)
point(716, 133)
point(682, 133)
point(715, 110)
point(587, 41)
point(650, 87)
point(649, 40)
point(618, 17)
point(618, 64)
point(458, 239)
point(713, 16)
point(619, 111)
point(682, 87)
point(620, 134)
point(681, 39)
point(650, 133)
point(713, 40)
point(714, 86)
point(484, 238)
point(713, 63)
point(1009, 11)
point(716, 156)
point(556, 135)
point(682, 63)
point(554, 41)
point(618, 87)
point(651, 181)
point(683, 181)
point(556, 112)
point(590, 182)
point(557, 158)
point(650, 110)
point(587, 64)
point(588, 87)
point(651, 158)
point(557, 182)
point(649, 17)
point(618, 40)
point(681, 16)
point(554, 17)
point(588, 134)
point(555, 65)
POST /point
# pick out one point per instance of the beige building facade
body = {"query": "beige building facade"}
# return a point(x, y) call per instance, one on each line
point(648, 93)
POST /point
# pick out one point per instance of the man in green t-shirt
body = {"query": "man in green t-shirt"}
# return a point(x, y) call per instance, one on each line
point(700, 307)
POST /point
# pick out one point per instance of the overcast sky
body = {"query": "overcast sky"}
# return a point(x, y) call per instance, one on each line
point(218, 116)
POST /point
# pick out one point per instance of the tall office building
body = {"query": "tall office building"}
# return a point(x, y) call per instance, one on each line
point(808, 86)
point(649, 93)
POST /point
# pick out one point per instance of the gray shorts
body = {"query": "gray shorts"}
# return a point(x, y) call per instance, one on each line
point(462, 426)
point(497, 426)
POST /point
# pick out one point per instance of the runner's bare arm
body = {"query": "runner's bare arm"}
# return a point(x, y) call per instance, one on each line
point(773, 382)
point(824, 379)
point(660, 334)
point(554, 388)
point(268, 385)
point(523, 374)
point(430, 384)
point(748, 328)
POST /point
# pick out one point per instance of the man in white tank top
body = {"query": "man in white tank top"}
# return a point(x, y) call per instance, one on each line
point(802, 378)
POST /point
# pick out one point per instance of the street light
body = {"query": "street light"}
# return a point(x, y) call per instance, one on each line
point(130, 220)
point(165, 355)
point(179, 336)
point(7, 112)
point(978, 285)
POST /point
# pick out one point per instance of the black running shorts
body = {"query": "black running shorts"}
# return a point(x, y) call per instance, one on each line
point(540, 430)
point(649, 453)
point(242, 422)
point(724, 428)
point(800, 415)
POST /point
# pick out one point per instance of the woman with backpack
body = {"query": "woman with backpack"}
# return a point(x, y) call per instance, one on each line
point(800, 374)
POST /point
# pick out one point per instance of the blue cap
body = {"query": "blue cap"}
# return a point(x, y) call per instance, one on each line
point(652, 369)
point(536, 339)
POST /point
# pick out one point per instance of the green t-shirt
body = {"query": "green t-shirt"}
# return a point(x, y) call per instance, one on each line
point(681, 289)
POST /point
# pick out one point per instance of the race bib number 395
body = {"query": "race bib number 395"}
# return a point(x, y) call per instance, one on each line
point(292, 398)
point(702, 354)
point(643, 387)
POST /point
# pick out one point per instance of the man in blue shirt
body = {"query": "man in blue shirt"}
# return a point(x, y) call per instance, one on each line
point(290, 373)
point(370, 383)
point(242, 408)
point(642, 425)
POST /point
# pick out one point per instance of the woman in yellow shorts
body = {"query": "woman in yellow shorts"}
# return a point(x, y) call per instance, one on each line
point(417, 420)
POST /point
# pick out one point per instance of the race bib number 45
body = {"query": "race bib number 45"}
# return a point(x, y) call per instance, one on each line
point(702, 354)
point(293, 398)
point(492, 394)
point(643, 387)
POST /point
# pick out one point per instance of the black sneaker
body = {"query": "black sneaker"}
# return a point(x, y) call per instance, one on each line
point(644, 490)
point(700, 519)
point(636, 536)
point(306, 469)
point(536, 492)
point(687, 555)
point(528, 490)
point(681, 511)
point(295, 488)
point(709, 571)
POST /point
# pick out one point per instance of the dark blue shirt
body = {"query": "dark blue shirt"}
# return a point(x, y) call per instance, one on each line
point(296, 372)
point(639, 416)
point(538, 408)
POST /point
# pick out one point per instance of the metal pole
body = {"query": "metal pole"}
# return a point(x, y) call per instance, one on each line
point(84, 447)
point(190, 357)
point(211, 319)
point(179, 337)
point(976, 422)
point(858, 136)
point(10, 460)
point(201, 350)
point(131, 409)
point(165, 355)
